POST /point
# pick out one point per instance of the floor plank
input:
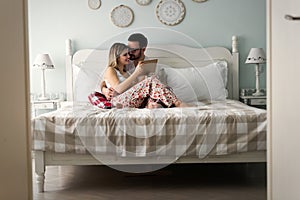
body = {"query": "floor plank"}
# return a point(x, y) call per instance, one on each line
point(180, 181)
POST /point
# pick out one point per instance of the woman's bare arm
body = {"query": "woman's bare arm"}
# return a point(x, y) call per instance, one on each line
point(110, 75)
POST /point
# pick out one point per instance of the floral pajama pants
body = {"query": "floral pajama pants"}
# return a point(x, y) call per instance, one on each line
point(149, 89)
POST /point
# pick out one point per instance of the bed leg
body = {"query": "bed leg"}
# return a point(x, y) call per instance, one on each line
point(40, 170)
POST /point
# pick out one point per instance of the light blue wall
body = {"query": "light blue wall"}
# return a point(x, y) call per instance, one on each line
point(211, 23)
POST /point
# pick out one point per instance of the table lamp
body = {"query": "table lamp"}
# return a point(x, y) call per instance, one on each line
point(256, 56)
point(43, 61)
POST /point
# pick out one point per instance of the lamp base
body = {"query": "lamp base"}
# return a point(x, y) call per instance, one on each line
point(43, 98)
point(258, 93)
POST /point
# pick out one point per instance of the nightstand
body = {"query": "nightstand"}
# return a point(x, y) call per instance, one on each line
point(255, 101)
point(44, 106)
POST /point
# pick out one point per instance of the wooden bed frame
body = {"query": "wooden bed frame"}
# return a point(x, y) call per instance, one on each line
point(43, 159)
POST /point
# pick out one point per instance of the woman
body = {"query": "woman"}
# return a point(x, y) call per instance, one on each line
point(129, 92)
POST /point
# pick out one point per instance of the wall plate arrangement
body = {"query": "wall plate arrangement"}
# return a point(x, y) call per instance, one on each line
point(170, 12)
point(199, 1)
point(94, 4)
point(143, 2)
point(122, 16)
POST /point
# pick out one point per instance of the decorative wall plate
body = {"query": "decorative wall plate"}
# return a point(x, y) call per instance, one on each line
point(170, 12)
point(121, 16)
point(199, 1)
point(143, 2)
point(94, 4)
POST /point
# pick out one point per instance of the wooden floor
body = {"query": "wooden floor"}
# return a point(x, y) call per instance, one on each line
point(184, 181)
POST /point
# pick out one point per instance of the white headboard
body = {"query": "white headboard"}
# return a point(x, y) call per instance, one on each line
point(172, 54)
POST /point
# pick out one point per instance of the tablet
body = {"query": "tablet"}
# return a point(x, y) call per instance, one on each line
point(149, 66)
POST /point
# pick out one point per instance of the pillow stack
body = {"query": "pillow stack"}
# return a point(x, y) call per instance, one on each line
point(194, 83)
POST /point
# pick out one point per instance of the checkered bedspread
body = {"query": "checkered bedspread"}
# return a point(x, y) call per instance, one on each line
point(209, 129)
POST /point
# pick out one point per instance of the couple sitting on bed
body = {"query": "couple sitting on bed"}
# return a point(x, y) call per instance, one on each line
point(123, 85)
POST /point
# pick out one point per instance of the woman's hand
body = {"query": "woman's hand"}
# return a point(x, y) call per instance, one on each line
point(111, 76)
point(108, 92)
point(139, 69)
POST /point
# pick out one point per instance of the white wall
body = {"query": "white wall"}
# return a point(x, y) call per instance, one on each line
point(15, 167)
point(210, 23)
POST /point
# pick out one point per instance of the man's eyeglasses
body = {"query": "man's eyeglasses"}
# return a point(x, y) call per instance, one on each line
point(133, 50)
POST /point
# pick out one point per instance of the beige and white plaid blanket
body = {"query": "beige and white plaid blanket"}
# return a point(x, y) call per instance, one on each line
point(209, 129)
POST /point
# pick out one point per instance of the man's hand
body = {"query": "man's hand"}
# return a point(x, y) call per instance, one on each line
point(108, 92)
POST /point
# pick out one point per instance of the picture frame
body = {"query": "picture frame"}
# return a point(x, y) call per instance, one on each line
point(170, 12)
point(122, 16)
point(94, 4)
point(143, 2)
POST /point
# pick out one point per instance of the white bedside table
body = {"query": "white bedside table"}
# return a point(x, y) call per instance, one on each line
point(255, 101)
point(44, 106)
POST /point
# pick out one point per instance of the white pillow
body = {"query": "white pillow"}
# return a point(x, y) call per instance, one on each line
point(198, 83)
point(87, 80)
point(189, 84)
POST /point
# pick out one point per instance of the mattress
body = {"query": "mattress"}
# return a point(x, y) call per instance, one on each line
point(210, 128)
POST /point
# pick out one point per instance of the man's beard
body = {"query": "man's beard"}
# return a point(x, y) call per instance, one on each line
point(133, 57)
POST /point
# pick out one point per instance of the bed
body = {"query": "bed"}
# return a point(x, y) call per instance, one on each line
point(216, 129)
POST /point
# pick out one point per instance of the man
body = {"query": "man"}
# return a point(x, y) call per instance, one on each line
point(137, 44)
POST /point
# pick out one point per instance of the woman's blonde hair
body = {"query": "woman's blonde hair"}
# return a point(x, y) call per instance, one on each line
point(114, 53)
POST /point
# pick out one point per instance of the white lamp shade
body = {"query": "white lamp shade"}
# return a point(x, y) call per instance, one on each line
point(43, 61)
point(256, 55)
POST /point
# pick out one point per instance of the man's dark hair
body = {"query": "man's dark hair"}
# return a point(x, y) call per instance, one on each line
point(138, 37)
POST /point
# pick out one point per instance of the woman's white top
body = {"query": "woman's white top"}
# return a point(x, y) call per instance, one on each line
point(120, 77)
